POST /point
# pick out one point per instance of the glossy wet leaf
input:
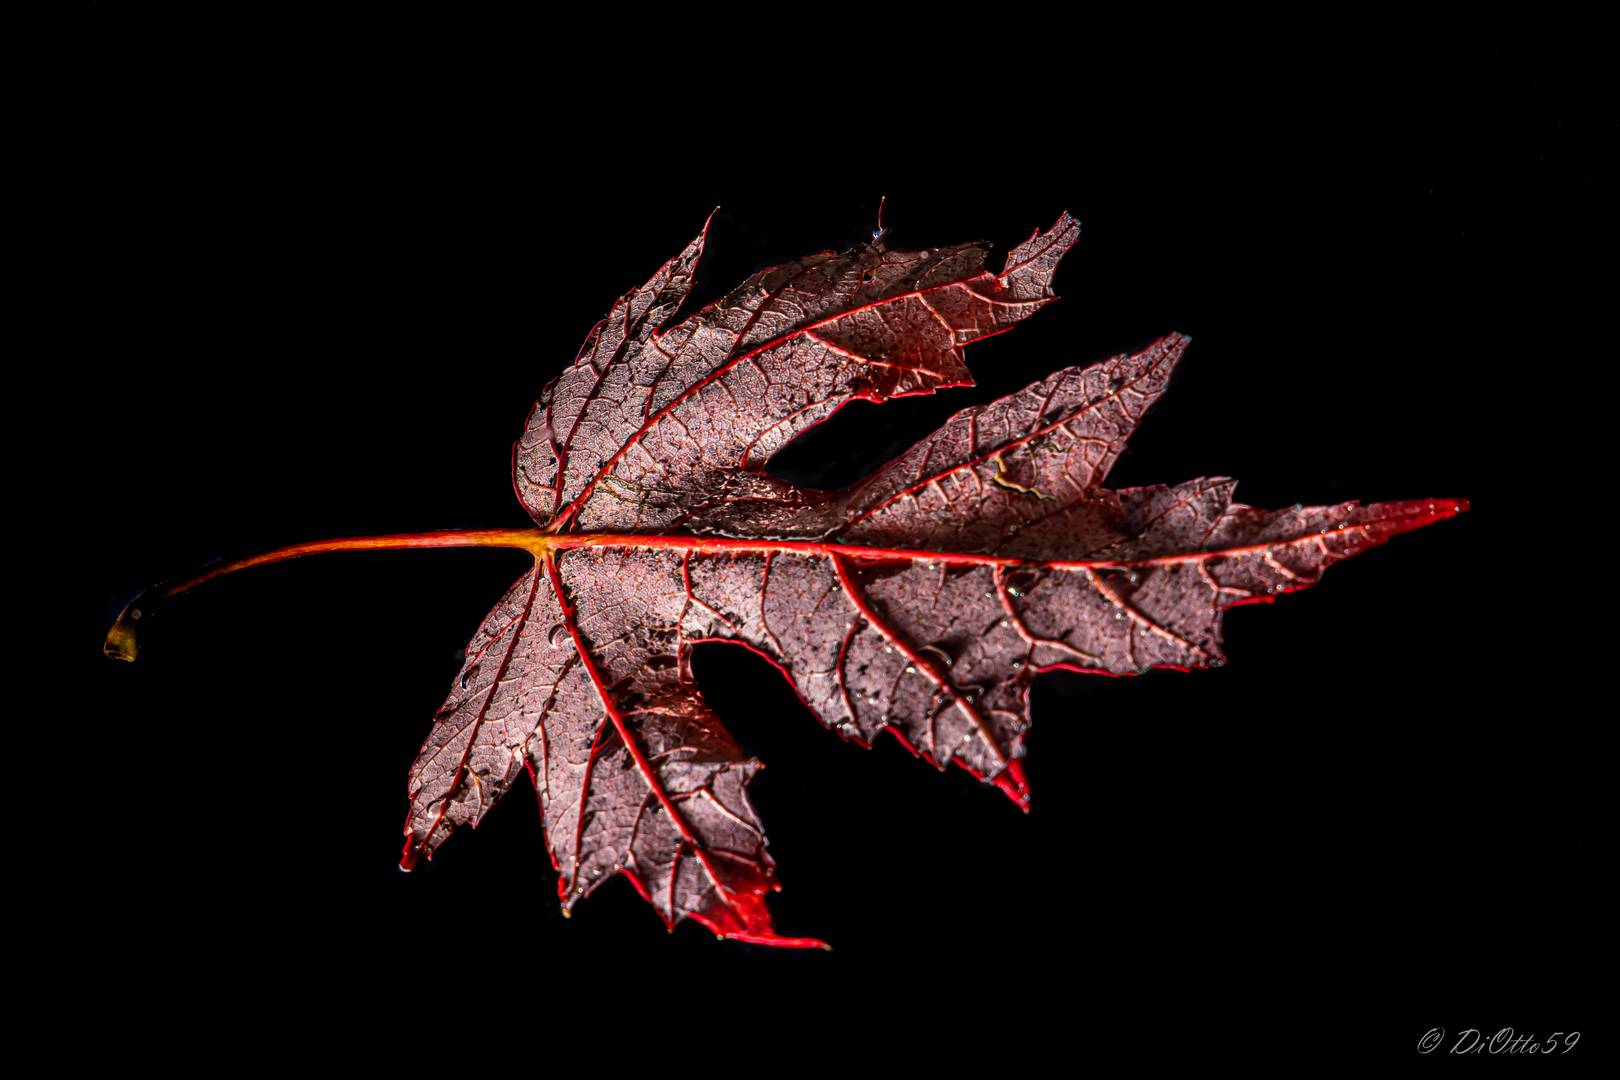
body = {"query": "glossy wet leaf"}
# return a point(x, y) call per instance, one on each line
point(918, 603)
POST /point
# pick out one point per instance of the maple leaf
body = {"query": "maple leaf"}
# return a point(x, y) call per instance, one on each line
point(921, 601)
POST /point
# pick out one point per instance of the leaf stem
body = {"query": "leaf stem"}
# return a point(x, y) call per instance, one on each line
point(121, 641)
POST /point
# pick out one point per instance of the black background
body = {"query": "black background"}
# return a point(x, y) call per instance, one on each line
point(322, 286)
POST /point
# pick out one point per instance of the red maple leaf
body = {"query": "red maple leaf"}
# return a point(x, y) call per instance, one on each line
point(921, 601)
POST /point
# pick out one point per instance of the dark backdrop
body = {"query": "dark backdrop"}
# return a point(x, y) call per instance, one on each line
point(321, 300)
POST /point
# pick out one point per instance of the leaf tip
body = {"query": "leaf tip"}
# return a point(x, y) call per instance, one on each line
point(1013, 784)
point(1384, 520)
point(775, 940)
